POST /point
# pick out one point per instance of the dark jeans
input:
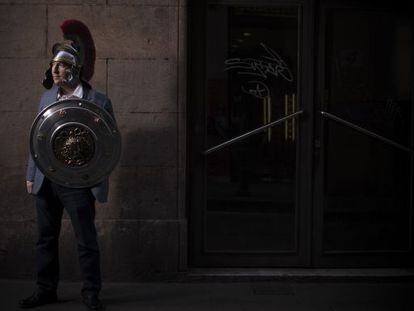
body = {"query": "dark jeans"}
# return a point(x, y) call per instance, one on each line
point(80, 206)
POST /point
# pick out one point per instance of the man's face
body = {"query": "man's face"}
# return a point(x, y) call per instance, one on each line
point(59, 73)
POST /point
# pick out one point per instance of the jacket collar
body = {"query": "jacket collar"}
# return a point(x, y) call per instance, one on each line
point(52, 94)
point(88, 92)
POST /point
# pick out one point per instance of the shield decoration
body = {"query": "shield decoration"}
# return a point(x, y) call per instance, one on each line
point(75, 143)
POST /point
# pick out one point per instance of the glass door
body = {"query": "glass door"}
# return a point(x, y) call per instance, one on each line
point(364, 165)
point(251, 149)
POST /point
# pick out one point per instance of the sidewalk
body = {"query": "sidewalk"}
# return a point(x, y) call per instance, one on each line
point(229, 296)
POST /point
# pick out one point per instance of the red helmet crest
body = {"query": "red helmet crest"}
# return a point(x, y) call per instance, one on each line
point(79, 34)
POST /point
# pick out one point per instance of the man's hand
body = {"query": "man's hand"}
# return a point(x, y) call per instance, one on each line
point(29, 186)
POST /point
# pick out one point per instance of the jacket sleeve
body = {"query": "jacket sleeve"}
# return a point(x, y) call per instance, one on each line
point(31, 166)
point(108, 107)
point(31, 169)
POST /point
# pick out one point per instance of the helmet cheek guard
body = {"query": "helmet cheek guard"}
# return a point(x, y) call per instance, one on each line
point(72, 76)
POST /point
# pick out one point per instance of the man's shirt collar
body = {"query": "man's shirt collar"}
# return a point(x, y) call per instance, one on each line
point(78, 92)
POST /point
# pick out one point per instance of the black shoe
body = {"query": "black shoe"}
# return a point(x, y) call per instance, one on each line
point(92, 301)
point(38, 299)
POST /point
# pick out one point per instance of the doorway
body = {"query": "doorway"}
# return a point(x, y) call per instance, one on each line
point(301, 135)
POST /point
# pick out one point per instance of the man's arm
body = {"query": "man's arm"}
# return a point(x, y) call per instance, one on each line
point(30, 174)
point(31, 166)
point(31, 169)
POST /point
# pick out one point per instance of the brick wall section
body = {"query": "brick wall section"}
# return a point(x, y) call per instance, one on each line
point(140, 65)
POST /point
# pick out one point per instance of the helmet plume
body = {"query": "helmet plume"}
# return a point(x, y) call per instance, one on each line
point(79, 34)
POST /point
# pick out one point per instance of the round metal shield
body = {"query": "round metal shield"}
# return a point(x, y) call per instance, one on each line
point(75, 143)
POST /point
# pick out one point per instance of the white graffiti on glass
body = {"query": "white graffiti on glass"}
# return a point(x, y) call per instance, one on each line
point(259, 89)
point(270, 64)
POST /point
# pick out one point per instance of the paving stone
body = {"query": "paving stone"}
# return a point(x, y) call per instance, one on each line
point(158, 296)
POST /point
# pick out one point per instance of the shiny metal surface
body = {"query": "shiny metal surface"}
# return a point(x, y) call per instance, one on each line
point(365, 131)
point(248, 134)
point(75, 143)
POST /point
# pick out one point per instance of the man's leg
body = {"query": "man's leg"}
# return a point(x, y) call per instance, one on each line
point(49, 217)
point(80, 205)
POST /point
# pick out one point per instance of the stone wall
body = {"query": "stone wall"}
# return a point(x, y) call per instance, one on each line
point(141, 46)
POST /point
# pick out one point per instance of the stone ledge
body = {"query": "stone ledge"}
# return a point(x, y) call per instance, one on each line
point(297, 274)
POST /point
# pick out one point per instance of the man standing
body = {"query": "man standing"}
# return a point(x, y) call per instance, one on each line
point(66, 78)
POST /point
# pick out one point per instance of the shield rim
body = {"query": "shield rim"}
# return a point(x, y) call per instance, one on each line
point(112, 128)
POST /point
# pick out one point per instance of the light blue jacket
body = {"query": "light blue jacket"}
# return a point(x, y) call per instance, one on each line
point(100, 191)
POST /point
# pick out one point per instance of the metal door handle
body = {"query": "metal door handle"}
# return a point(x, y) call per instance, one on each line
point(365, 131)
point(255, 131)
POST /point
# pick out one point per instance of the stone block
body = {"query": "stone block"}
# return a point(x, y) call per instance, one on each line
point(181, 193)
point(23, 93)
point(141, 193)
point(130, 249)
point(182, 166)
point(140, 248)
point(53, 1)
point(99, 79)
point(15, 138)
point(148, 139)
point(182, 140)
point(143, 85)
point(17, 205)
point(17, 248)
point(145, 2)
point(21, 83)
point(182, 115)
point(23, 31)
point(182, 60)
point(122, 31)
point(183, 244)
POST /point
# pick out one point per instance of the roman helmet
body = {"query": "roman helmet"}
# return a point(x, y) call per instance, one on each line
point(77, 50)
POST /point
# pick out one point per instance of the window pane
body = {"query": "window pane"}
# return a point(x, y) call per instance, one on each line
point(367, 190)
point(252, 73)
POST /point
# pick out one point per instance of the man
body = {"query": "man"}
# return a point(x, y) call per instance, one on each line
point(65, 79)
